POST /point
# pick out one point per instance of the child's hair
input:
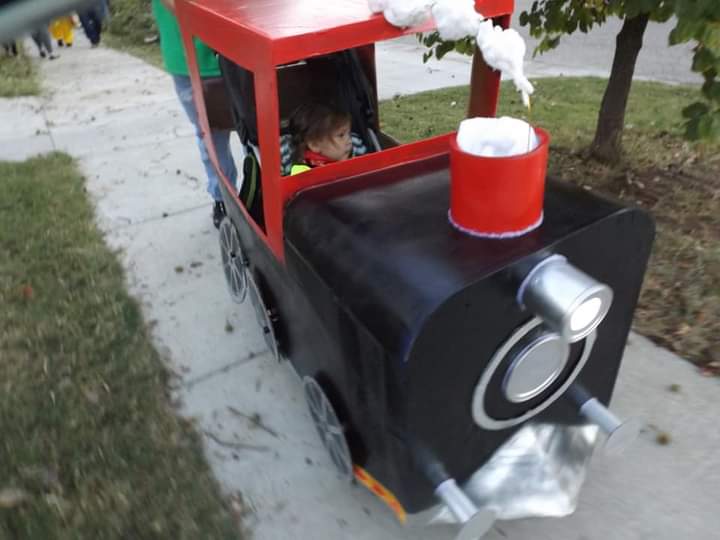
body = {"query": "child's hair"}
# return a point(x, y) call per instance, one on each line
point(313, 122)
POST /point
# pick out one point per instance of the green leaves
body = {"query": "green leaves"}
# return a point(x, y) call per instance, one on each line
point(633, 8)
point(704, 60)
point(706, 126)
point(697, 21)
point(702, 121)
point(439, 47)
point(695, 110)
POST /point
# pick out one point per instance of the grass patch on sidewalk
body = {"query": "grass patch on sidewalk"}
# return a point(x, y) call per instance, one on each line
point(18, 75)
point(91, 447)
point(678, 182)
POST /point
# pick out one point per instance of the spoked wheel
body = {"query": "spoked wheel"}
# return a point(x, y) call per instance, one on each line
point(266, 316)
point(328, 427)
point(233, 260)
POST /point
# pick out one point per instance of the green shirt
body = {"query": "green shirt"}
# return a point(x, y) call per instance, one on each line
point(171, 46)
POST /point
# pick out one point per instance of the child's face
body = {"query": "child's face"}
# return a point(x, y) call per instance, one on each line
point(336, 146)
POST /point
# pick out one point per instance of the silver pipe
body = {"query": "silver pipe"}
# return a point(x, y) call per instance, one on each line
point(620, 434)
point(455, 499)
point(474, 522)
point(597, 413)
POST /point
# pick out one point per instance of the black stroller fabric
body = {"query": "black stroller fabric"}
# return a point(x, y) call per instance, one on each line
point(344, 83)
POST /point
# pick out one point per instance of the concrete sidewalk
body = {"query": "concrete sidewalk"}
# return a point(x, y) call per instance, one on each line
point(121, 119)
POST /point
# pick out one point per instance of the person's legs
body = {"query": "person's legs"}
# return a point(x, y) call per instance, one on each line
point(10, 48)
point(44, 36)
point(98, 19)
point(69, 37)
point(221, 141)
point(37, 38)
point(91, 25)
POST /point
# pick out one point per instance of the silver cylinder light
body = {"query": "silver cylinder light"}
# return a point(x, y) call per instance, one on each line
point(568, 300)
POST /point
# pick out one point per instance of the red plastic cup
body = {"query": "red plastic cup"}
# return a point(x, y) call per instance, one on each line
point(498, 197)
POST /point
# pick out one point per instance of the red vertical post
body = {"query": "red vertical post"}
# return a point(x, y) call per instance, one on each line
point(197, 89)
point(485, 82)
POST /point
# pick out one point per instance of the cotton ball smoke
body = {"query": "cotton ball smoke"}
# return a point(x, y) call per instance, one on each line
point(504, 50)
point(456, 19)
point(496, 137)
point(406, 13)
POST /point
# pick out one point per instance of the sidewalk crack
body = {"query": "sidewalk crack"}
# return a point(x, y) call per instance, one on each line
point(188, 385)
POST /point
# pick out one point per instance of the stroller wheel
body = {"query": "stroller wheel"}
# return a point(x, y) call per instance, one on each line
point(233, 260)
point(331, 431)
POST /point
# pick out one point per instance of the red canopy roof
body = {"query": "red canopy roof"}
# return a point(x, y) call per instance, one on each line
point(282, 31)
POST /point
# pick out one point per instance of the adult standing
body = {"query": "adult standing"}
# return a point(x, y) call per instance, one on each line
point(173, 55)
point(91, 20)
point(42, 40)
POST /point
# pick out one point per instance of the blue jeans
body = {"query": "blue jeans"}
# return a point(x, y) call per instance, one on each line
point(91, 22)
point(220, 138)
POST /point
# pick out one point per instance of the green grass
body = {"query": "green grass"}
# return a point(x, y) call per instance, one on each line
point(567, 106)
point(90, 441)
point(18, 76)
point(131, 23)
point(678, 182)
point(149, 52)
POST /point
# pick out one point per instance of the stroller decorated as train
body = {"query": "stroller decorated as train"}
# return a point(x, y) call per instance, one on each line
point(441, 367)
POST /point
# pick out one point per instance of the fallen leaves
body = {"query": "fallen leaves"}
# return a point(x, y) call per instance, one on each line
point(683, 330)
point(663, 438)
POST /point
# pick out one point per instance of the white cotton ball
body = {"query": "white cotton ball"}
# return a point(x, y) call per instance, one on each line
point(377, 6)
point(504, 50)
point(484, 32)
point(496, 137)
point(472, 136)
point(406, 13)
point(456, 19)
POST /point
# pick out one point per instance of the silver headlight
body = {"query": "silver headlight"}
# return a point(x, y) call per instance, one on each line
point(568, 300)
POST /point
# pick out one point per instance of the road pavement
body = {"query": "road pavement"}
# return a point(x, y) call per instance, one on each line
point(402, 70)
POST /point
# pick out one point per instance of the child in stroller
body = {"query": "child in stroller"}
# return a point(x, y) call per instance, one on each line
point(320, 134)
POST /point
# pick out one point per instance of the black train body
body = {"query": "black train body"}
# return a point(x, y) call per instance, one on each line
point(397, 314)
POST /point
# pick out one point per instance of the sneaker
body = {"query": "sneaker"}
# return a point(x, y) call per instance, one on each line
point(60, 43)
point(53, 56)
point(42, 54)
point(218, 213)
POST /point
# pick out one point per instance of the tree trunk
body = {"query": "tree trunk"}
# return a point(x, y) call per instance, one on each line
point(608, 134)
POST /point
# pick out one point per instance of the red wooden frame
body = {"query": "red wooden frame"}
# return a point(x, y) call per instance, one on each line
point(260, 35)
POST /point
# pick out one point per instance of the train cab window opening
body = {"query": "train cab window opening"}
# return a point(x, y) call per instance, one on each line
point(343, 80)
point(338, 78)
